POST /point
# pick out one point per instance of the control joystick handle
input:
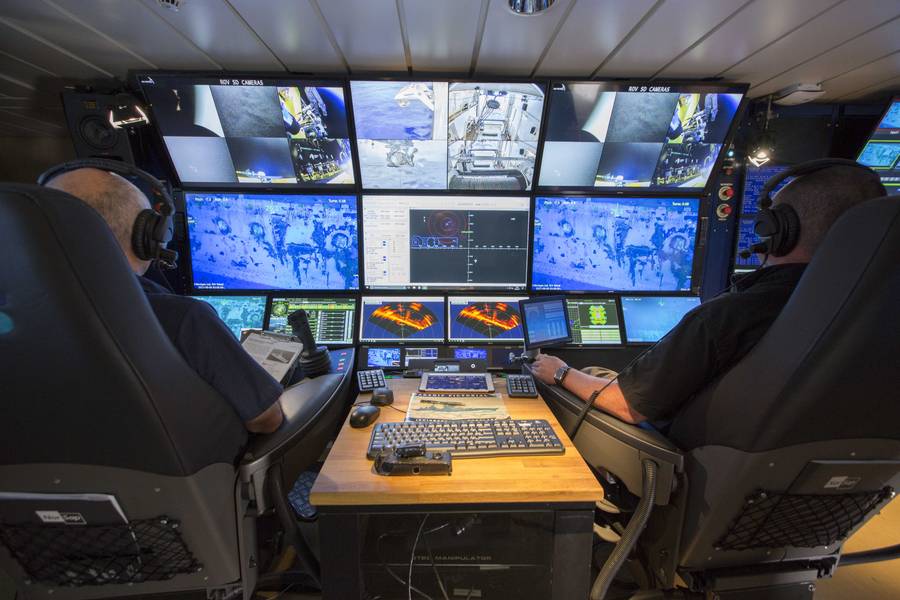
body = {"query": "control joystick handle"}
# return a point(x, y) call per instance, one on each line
point(314, 361)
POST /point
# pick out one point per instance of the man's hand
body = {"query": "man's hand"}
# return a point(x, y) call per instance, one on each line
point(545, 366)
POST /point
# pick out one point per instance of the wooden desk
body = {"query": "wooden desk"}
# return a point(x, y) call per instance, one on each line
point(347, 492)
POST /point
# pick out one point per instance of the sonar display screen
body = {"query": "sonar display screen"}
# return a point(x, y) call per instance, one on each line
point(483, 319)
point(271, 242)
point(605, 134)
point(393, 319)
point(882, 150)
point(238, 312)
point(440, 242)
point(258, 132)
point(439, 135)
point(584, 244)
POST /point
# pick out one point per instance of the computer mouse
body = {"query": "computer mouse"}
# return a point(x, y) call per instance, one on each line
point(382, 396)
point(363, 416)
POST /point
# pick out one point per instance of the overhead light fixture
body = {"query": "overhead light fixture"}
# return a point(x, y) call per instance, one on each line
point(800, 93)
point(172, 5)
point(530, 7)
point(762, 149)
point(126, 112)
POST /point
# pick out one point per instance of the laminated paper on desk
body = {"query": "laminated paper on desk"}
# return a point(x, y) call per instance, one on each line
point(275, 352)
point(489, 406)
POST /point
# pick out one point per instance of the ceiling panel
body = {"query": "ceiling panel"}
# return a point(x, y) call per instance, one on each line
point(138, 28)
point(367, 32)
point(441, 34)
point(884, 87)
point(848, 57)
point(44, 20)
point(22, 46)
point(512, 44)
point(38, 124)
point(591, 31)
point(221, 33)
point(667, 33)
point(759, 24)
point(859, 79)
point(299, 41)
point(832, 28)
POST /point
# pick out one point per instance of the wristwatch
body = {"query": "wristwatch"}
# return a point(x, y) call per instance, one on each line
point(561, 374)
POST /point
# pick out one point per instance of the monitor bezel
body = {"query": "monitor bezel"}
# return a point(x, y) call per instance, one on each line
point(691, 86)
point(561, 341)
point(269, 78)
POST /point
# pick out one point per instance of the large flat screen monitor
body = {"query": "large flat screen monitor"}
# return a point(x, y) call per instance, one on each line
point(331, 320)
point(238, 312)
point(480, 319)
point(417, 135)
point(445, 242)
point(623, 244)
point(657, 137)
point(754, 180)
point(401, 319)
point(251, 131)
point(595, 321)
point(649, 318)
point(882, 150)
point(272, 242)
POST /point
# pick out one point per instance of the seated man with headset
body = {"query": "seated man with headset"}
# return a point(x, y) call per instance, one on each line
point(713, 337)
point(204, 341)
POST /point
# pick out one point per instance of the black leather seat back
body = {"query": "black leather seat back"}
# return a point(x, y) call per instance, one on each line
point(829, 368)
point(87, 375)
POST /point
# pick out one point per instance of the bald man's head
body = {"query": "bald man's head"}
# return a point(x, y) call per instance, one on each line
point(116, 199)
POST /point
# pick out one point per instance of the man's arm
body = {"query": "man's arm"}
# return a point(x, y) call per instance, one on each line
point(610, 400)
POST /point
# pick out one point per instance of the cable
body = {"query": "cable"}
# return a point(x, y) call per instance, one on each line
point(412, 557)
point(434, 566)
point(390, 571)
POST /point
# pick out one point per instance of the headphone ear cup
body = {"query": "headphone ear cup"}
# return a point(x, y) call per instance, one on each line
point(142, 235)
point(788, 229)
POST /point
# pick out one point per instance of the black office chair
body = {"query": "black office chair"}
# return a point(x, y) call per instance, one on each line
point(768, 471)
point(97, 400)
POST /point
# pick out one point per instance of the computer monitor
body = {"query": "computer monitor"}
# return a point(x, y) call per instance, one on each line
point(545, 322)
point(401, 319)
point(419, 353)
point(882, 149)
point(445, 242)
point(419, 135)
point(627, 136)
point(383, 358)
point(754, 180)
point(272, 242)
point(259, 132)
point(470, 354)
point(622, 244)
point(595, 321)
point(649, 318)
point(238, 312)
point(483, 319)
point(331, 320)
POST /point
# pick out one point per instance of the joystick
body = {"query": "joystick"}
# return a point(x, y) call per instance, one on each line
point(313, 360)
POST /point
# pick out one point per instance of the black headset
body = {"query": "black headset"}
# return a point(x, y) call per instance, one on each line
point(778, 227)
point(152, 228)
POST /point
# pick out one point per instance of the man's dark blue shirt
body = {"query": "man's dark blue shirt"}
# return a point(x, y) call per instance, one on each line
point(210, 349)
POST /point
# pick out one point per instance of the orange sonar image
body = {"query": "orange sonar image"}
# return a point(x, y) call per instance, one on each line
point(489, 316)
point(402, 315)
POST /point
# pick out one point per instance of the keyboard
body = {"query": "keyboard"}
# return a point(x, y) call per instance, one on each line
point(520, 386)
point(471, 438)
point(369, 380)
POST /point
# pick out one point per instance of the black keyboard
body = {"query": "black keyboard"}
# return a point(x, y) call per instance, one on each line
point(520, 386)
point(369, 380)
point(469, 438)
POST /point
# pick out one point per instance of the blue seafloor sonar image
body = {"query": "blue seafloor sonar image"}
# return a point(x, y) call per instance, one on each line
point(238, 312)
point(260, 242)
point(583, 244)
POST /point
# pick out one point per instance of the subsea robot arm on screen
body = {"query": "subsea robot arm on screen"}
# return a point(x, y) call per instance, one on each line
point(415, 91)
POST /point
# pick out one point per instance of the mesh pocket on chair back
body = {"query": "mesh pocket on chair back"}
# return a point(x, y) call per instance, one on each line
point(777, 520)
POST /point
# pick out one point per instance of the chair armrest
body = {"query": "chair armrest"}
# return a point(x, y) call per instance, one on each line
point(616, 446)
